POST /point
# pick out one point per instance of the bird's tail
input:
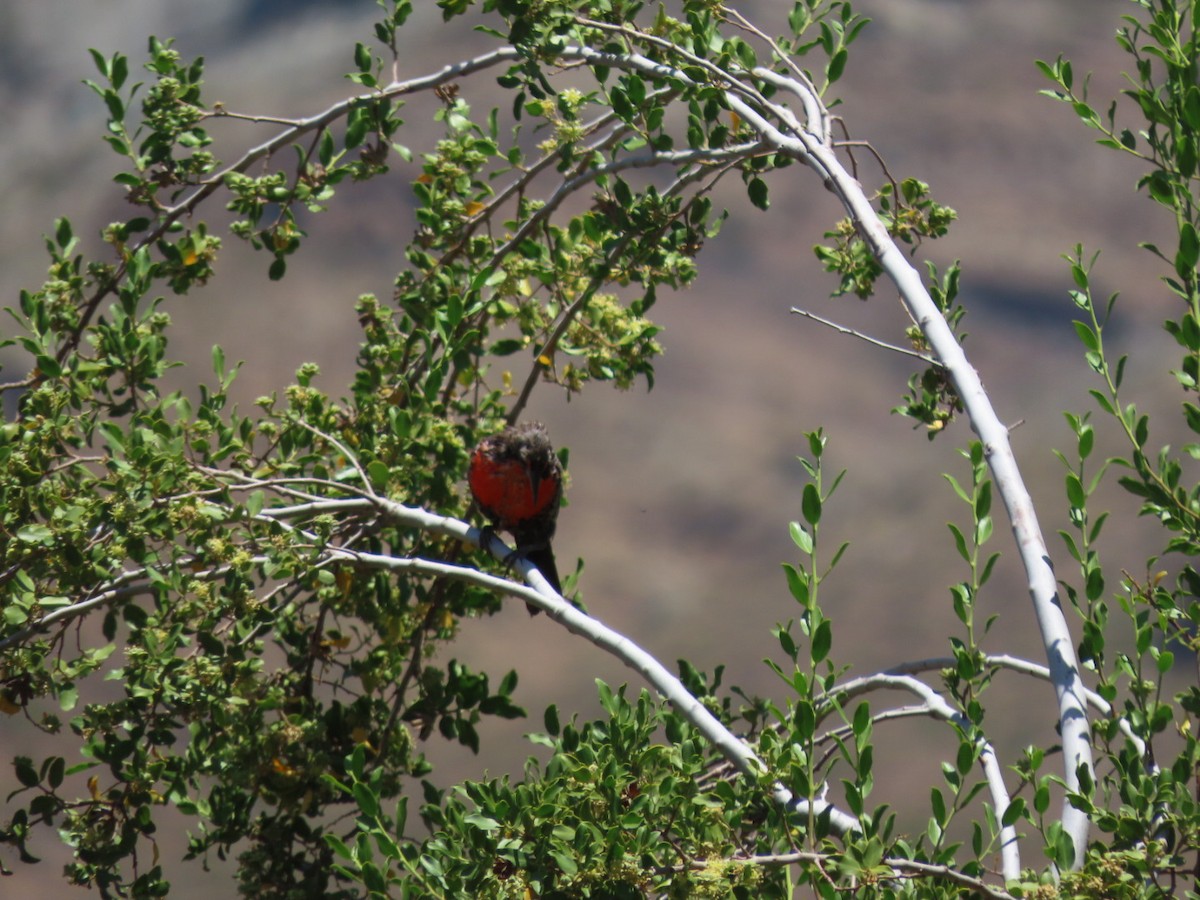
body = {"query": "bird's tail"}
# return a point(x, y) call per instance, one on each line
point(543, 559)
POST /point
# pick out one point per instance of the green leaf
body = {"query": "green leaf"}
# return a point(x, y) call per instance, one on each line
point(804, 719)
point(1087, 438)
point(816, 443)
point(357, 122)
point(373, 879)
point(837, 65)
point(801, 538)
point(35, 534)
point(54, 769)
point(822, 641)
point(1191, 107)
point(15, 614)
point(786, 643)
point(120, 70)
point(621, 104)
point(958, 489)
point(837, 556)
point(1013, 812)
point(63, 235)
point(367, 800)
point(48, 366)
point(608, 700)
point(1141, 430)
point(337, 844)
point(1041, 797)
point(810, 505)
point(983, 500)
point(484, 823)
point(965, 760)
point(25, 772)
point(862, 718)
point(1160, 188)
point(937, 805)
point(960, 542)
point(987, 569)
point(797, 583)
point(1087, 336)
point(1075, 495)
point(362, 57)
point(756, 188)
point(325, 148)
point(1189, 249)
point(565, 862)
point(116, 109)
point(507, 346)
point(68, 697)
point(379, 473)
point(100, 61)
point(983, 531)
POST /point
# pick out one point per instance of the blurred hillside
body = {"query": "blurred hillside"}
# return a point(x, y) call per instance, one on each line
point(680, 498)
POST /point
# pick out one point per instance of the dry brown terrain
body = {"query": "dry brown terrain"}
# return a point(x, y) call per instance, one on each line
point(680, 498)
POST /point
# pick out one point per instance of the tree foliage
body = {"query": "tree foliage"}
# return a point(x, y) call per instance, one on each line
point(271, 591)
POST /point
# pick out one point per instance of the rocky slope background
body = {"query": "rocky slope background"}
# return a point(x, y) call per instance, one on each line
point(680, 497)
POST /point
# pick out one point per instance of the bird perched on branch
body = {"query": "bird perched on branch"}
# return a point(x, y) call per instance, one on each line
point(517, 481)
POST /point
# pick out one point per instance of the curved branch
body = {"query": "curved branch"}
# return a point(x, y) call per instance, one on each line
point(796, 141)
point(539, 593)
point(127, 584)
point(1031, 546)
point(811, 149)
point(1025, 667)
point(934, 702)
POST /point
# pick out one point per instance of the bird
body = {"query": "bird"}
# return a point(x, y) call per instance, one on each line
point(517, 482)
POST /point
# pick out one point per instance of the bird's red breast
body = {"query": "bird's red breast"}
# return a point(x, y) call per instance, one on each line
point(508, 493)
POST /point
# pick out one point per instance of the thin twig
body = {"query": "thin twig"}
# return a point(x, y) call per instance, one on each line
point(263, 151)
point(864, 337)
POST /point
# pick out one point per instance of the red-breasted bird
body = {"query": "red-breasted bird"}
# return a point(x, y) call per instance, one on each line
point(517, 481)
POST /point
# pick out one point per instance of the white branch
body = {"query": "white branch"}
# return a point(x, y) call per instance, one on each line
point(1026, 667)
point(812, 150)
point(1056, 637)
point(1010, 858)
point(624, 649)
point(540, 594)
